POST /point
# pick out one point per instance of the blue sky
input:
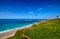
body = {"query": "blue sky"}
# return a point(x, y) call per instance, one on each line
point(29, 9)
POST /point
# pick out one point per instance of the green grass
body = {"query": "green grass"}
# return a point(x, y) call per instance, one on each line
point(45, 30)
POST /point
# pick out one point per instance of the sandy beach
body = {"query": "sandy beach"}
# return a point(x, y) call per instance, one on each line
point(9, 33)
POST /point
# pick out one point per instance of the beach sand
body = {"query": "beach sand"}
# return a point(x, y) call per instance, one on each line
point(7, 34)
point(12, 32)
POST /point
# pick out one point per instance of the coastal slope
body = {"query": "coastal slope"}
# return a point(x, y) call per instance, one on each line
point(48, 29)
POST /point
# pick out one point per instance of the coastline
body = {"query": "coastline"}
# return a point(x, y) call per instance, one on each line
point(11, 32)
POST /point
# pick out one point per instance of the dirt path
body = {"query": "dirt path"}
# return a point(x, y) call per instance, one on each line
point(26, 37)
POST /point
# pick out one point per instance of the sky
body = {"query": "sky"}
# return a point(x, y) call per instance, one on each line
point(29, 9)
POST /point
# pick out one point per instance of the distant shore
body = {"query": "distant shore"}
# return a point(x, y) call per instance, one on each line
point(11, 32)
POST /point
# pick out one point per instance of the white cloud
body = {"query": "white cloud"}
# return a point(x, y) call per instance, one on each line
point(30, 12)
point(39, 9)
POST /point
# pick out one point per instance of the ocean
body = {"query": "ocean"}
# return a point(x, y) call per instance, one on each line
point(7, 24)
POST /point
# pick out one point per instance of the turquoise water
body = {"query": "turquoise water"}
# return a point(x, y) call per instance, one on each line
point(12, 26)
point(7, 24)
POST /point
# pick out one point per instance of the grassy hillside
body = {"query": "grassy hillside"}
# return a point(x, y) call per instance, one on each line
point(49, 29)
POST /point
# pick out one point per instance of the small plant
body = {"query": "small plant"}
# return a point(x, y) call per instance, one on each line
point(57, 16)
point(34, 25)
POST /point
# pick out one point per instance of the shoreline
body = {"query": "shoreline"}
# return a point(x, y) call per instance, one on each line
point(11, 32)
point(14, 28)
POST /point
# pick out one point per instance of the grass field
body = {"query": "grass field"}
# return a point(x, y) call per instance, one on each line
point(49, 29)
